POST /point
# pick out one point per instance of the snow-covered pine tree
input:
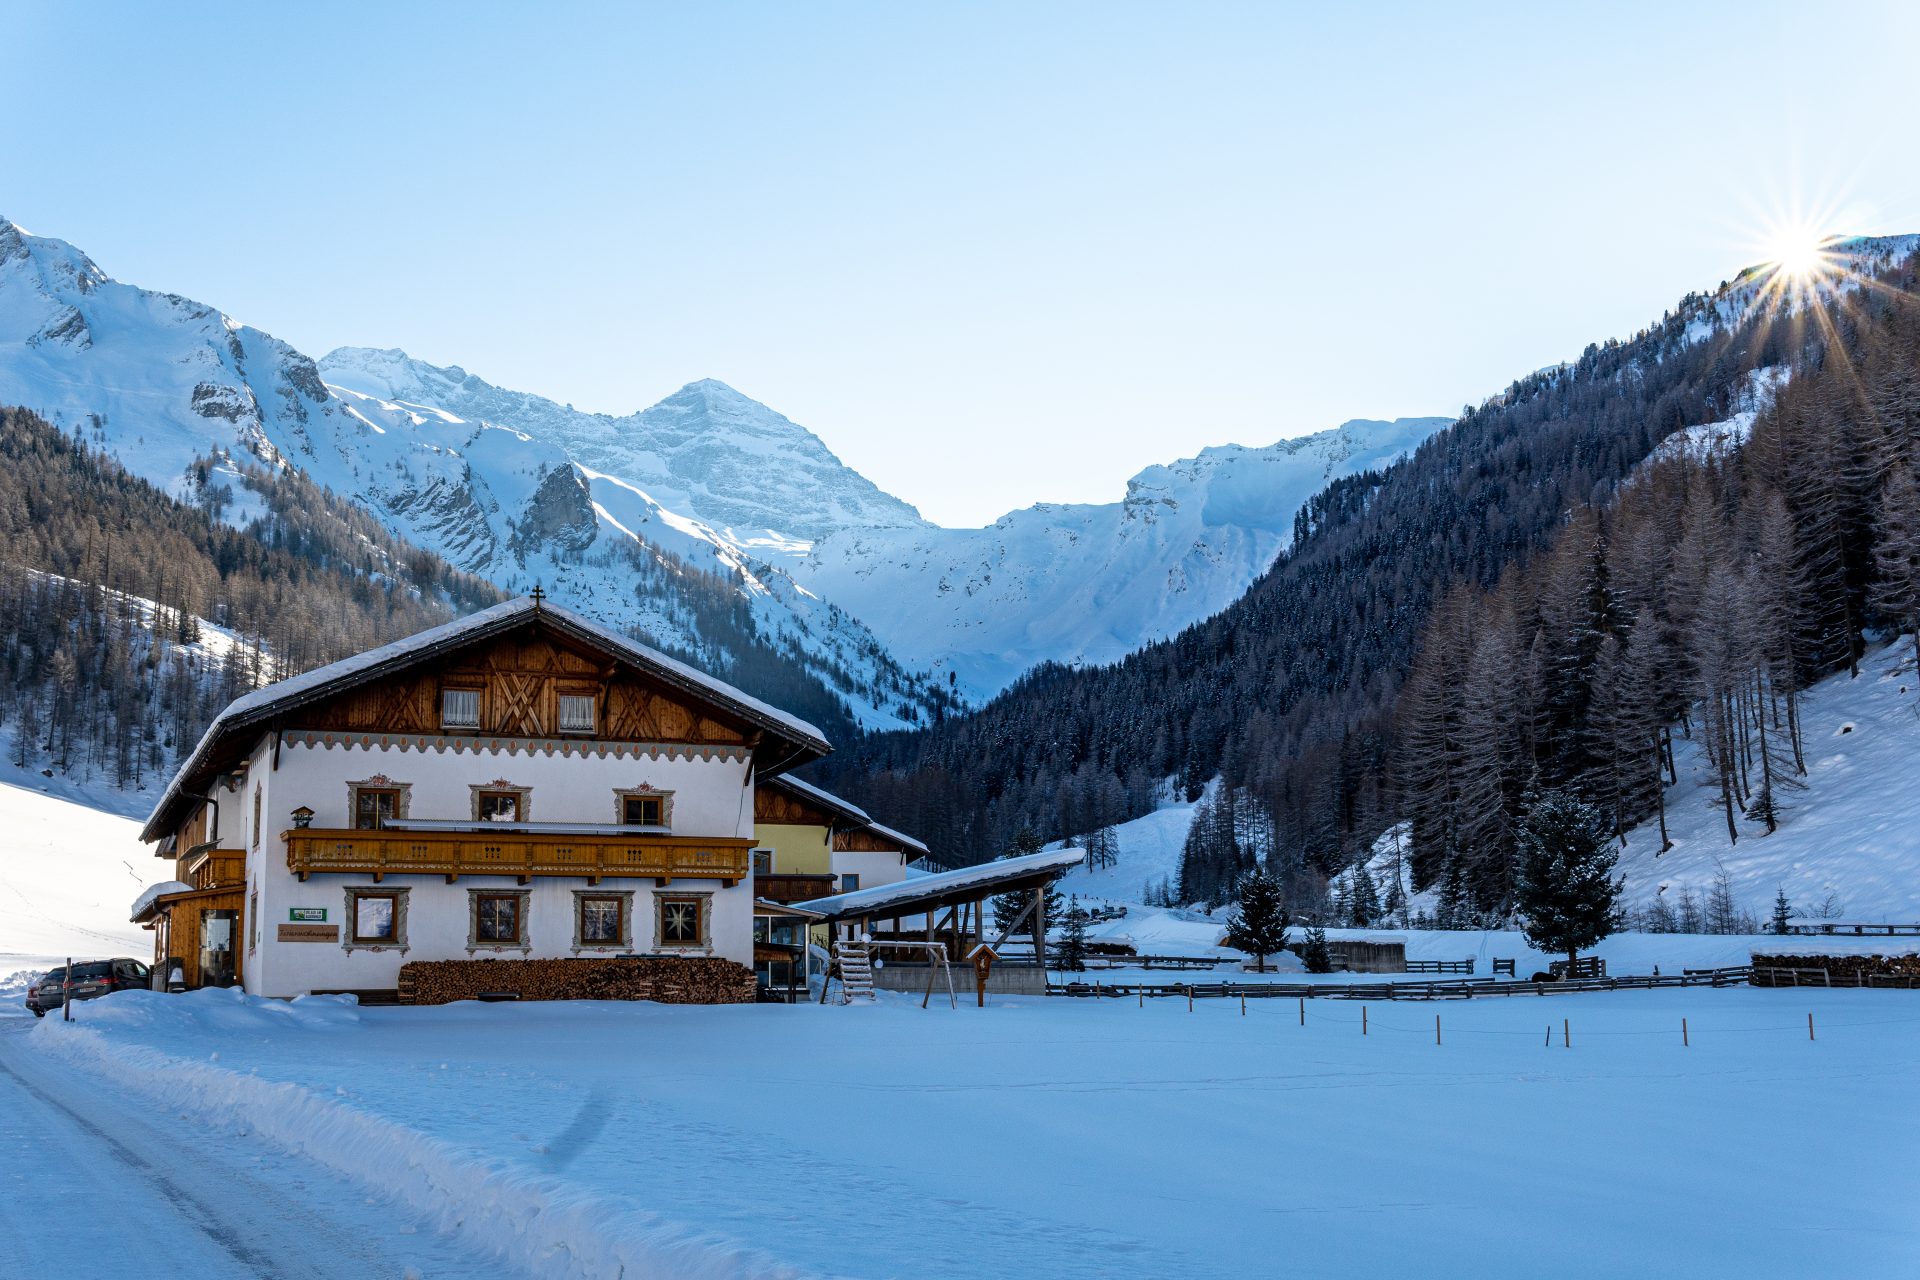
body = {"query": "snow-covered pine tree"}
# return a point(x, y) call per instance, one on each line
point(1363, 903)
point(1314, 953)
point(1568, 897)
point(1072, 951)
point(1259, 922)
point(1782, 910)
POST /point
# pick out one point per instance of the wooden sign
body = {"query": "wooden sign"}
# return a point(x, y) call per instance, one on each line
point(309, 933)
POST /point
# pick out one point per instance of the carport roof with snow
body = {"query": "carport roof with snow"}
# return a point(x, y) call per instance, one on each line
point(929, 893)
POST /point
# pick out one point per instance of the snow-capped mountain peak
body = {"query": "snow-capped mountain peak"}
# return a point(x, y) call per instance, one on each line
point(707, 451)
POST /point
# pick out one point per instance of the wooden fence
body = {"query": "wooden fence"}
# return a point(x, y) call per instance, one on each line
point(1457, 989)
point(1440, 966)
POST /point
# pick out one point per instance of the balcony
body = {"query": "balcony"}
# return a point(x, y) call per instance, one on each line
point(521, 854)
point(792, 887)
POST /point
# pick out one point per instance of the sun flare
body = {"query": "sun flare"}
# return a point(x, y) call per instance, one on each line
point(1797, 252)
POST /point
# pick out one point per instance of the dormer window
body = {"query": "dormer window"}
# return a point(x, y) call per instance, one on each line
point(460, 708)
point(576, 713)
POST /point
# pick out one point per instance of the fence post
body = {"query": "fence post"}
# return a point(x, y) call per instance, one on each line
point(1809, 1024)
point(1566, 1032)
point(1303, 1011)
point(1549, 1043)
point(1684, 1042)
point(1436, 1028)
point(1363, 1019)
point(1189, 997)
point(1243, 1004)
point(66, 994)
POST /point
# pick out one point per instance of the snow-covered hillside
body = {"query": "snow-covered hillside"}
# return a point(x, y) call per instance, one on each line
point(1093, 582)
point(1051, 583)
point(1853, 834)
point(160, 381)
point(68, 874)
point(706, 452)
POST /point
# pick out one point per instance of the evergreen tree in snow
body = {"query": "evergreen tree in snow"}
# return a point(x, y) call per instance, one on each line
point(1007, 907)
point(1568, 897)
point(1072, 951)
point(1782, 910)
point(1896, 556)
point(1363, 904)
point(1259, 921)
point(1314, 953)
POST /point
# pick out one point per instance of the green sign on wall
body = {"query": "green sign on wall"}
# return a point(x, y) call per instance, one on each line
point(307, 915)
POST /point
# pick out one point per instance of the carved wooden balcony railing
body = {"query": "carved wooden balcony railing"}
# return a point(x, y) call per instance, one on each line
point(521, 854)
point(211, 868)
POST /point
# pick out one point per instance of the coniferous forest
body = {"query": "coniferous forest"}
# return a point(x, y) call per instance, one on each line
point(1533, 601)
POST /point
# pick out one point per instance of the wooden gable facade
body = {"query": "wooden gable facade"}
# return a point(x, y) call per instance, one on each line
point(520, 679)
point(776, 805)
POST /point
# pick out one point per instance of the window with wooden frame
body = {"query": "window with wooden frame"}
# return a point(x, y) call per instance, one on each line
point(256, 817)
point(376, 918)
point(763, 862)
point(849, 882)
point(374, 807)
point(681, 919)
point(502, 801)
point(577, 712)
point(602, 920)
point(460, 708)
point(498, 918)
point(643, 807)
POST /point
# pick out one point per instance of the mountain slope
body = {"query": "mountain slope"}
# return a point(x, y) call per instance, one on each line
point(706, 451)
point(163, 384)
point(1091, 583)
point(1291, 692)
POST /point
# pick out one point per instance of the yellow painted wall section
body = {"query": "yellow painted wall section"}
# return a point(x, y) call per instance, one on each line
point(797, 850)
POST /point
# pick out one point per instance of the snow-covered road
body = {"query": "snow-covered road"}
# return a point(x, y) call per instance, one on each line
point(99, 1184)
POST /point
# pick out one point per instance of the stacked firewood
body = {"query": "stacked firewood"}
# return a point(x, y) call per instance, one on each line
point(667, 980)
point(1903, 966)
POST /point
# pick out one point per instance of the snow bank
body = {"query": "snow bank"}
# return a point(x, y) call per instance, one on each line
point(544, 1224)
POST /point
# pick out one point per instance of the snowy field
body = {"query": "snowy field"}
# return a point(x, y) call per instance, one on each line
point(68, 874)
point(1074, 1138)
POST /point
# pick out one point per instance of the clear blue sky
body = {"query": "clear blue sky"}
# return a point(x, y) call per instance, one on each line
point(992, 254)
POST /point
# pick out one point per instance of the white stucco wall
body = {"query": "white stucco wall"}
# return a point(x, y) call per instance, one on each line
point(872, 868)
point(710, 798)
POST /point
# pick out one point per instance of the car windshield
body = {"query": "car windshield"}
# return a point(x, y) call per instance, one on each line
point(55, 975)
point(95, 969)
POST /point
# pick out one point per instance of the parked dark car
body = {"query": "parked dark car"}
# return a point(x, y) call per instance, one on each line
point(91, 979)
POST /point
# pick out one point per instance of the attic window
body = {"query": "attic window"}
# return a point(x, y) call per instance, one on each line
point(460, 708)
point(576, 713)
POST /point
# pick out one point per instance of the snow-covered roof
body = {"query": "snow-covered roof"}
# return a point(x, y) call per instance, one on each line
point(827, 799)
point(890, 834)
point(151, 894)
point(321, 681)
point(907, 895)
point(823, 797)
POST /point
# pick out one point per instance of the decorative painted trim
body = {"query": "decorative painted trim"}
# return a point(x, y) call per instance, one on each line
point(626, 920)
point(399, 896)
point(402, 800)
point(620, 795)
point(525, 794)
point(474, 942)
point(441, 744)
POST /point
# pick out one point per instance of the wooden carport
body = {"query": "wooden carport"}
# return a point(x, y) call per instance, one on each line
point(960, 894)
